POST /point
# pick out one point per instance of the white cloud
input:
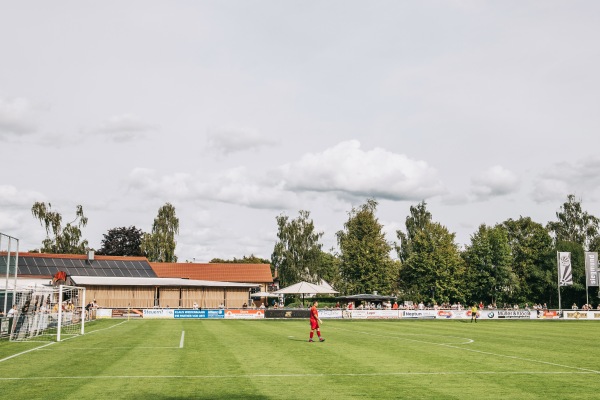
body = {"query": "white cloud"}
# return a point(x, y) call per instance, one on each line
point(16, 117)
point(233, 186)
point(228, 139)
point(11, 197)
point(565, 178)
point(346, 169)
point(124, 128)
point(149, 182)
point(495, 181)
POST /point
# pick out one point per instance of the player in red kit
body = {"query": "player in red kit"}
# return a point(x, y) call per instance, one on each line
point(314, 322)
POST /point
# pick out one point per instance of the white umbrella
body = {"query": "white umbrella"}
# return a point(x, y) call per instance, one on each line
point(305, 288)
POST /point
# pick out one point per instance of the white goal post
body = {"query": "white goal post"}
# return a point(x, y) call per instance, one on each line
point(48, 313)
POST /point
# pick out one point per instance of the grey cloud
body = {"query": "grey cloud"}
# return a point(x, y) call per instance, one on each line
point(16, 117)
point(124, 128)
point(565, 178)
point(227, 140)
point(493, 182)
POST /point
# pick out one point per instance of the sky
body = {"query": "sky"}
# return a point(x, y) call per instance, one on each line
point(239, 111)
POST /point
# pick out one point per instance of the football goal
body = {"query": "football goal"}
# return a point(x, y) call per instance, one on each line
point(48, 313)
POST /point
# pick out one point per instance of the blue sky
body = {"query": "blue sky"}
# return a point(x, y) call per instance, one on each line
point(238, 111)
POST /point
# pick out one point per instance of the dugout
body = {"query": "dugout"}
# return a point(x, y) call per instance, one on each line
point(124, 292)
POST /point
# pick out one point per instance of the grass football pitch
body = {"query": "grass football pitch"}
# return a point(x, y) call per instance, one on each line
point(272, 359)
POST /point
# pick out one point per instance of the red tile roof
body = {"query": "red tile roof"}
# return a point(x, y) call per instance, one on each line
point(247, 273)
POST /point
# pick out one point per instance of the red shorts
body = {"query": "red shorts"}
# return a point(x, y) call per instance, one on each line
point(314, 324)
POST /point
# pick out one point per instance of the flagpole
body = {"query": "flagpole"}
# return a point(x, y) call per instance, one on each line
point(558, 275)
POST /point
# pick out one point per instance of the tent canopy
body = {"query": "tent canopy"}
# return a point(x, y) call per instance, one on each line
point(305, 288)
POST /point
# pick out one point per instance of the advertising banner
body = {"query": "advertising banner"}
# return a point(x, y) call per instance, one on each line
point(565, 274)
point(575, 314)
point(418, 313)
point(197, 314)
point(516, 314)
point(103, 313)
point(157, 313)
point(283, 313)
point(244, 314)
point(591, 268)
point(329, 314)
point(547, 314)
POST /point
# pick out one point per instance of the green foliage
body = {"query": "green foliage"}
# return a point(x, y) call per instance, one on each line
point(159, 246)
point(434, 272)
point(366, 265)
point(59, 239)
point(252, 259)
point(329, 270)
point(534, 261)
point(122, 242)
point(297, 253)
point(489, 273)
point(417, 221)
point(574, 224)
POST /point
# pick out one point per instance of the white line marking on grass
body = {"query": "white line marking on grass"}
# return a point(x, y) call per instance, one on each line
point(103, 329)
point(254, 376)
point(181, 341)
point(117, 348)
point(454, 346)
point(26, 351)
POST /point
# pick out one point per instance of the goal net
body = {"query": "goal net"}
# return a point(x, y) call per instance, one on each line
point(48, 313)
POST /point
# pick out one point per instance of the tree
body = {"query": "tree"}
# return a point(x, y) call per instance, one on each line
point(434, 271)
point(297, 254)
point(365, 262)
point(122, 242)
point(64, 240)
point(488, 261)
point(574, 224)
point(329, 270)
point(252, 259)
point(534, 261)
point(417, 221)
point(159, 246)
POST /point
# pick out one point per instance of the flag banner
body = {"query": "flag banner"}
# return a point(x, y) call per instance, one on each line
point(591, 268)
point(565, 274)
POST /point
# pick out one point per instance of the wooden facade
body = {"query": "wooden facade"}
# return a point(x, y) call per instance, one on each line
point(167, 296)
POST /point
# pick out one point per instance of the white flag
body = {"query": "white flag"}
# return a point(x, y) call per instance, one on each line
point(565, 274)
point(591, 268)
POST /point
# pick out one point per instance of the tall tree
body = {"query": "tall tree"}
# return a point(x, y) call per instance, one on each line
point(64, 240)
point(488, 259)
point(417, 221)
point(434, 270)
point(297, 253)
point(366, 265)
point(534, 261)
point(159, 246)
point(574, 224)
point(122, 242)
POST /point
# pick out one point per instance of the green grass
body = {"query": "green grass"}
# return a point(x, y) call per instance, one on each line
point(271, 359)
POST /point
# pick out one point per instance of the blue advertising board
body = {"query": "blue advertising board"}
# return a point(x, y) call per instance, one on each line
point(196, 314)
